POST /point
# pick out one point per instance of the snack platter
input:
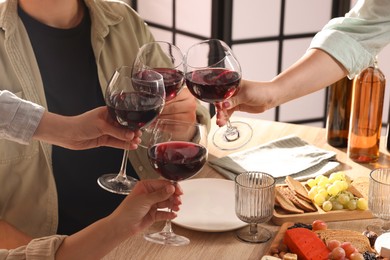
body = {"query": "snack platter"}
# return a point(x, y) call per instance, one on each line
point(281, 216)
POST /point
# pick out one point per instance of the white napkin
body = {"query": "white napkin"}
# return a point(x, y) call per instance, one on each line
point(289, 155)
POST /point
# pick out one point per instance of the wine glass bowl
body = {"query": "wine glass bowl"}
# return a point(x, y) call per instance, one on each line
point(177, 151)
point(379, 199)
point(254, 203)
point(213, 74)
point(134, 101)
point(166, 59)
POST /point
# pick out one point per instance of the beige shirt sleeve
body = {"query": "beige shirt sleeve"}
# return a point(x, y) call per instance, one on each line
point(43, 248)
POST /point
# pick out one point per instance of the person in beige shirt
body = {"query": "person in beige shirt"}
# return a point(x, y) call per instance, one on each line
point(60, 55)
point(22, 120)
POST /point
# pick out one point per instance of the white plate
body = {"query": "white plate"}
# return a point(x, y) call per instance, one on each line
point(208, 205)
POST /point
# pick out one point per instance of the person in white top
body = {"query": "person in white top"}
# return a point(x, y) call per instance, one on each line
point(344, 47)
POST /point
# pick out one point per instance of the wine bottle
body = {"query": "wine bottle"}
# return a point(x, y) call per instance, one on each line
point(339, 111)
point(366, 115)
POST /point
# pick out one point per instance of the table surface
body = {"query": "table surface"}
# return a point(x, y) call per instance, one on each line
point(224, 245)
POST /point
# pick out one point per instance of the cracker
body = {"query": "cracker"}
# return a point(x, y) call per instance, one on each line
point(285, 203)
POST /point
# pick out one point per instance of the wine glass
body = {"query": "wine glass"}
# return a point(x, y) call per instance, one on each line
point(213, 75)
point(255, 195)
point(177, 151)
point(166, 59)
point(379, 199)
point(134, 101)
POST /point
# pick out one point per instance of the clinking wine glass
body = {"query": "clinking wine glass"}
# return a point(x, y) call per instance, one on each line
point(213, 74)
point(134, 101)
point(177, 151)
point(379, 199)
point(255, 195)
point(166, 59)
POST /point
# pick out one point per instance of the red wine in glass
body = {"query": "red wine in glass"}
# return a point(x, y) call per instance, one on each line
point(134, 110)
point(177, 151)
point(134, 101)
point(213, 85)
point(213, 75)
point(173, 81)
point(177, 161)
point(166, 59)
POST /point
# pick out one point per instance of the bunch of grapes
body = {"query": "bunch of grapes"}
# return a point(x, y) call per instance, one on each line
point(331, 193)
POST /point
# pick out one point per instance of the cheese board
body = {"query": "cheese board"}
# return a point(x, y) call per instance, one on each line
point(281, 215)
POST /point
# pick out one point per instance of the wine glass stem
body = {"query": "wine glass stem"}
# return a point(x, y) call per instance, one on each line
point(122, 172)
point(253, 229)
point(168, 224)
point(232, 133)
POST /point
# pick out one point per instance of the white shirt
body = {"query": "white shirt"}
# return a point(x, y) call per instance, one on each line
point(18, 118)
point(356, 39)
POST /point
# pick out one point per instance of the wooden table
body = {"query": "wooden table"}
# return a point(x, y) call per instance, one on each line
point(224, 245)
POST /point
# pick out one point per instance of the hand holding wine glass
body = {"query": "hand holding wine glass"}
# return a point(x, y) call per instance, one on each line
point(134, 101)
point(213, 75)
point(166, 59)
point(255, 196)
point(177, 151)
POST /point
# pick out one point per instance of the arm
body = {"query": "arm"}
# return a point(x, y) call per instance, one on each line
point(138, 211)
point(315, 70)
point(90, 129)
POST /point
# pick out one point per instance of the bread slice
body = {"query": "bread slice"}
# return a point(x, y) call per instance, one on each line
point(357, 239)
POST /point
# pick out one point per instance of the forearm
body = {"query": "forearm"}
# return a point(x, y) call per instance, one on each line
point(314, 71)
point(93, 242)
point(53, 129)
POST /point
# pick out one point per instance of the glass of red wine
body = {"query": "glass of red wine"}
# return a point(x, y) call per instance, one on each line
point(166, 59)
point(213, 74)
point(177, 151)
point(134, 101)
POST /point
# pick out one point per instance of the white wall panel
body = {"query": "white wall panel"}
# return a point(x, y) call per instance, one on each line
point(303, 16)
point(161, 35)
point(156, 11)
point(194, 16)
point(258, 61)
point(255, 18)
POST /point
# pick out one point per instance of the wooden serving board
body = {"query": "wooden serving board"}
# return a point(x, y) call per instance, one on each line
point(281, 216)
point(278, 239)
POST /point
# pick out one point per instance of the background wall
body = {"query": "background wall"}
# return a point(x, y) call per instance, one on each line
point(266, 36)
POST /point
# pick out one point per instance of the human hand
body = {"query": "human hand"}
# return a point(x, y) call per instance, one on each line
point(181, 108)
point(251, 97)
point(91, 129)
point(140, 209)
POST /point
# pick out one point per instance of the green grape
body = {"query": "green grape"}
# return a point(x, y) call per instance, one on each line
point(323, 181)
point(312, 193)
point(343, 198)
point(311, 183)
point(319, 199)
point(327, 206)
point(352, 204)
point(362, 204)
point(333, 190)
point(323, 192)
point(336, 205)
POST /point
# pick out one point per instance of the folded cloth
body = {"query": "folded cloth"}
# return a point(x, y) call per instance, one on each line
point(289, 155)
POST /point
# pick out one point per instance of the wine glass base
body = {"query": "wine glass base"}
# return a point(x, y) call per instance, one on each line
point(262, 235)
point(111, 183)
point(223, 142)
point(165, 238)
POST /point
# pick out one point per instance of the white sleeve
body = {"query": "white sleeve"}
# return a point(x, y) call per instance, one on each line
point(18, 118)
point(356, 39)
